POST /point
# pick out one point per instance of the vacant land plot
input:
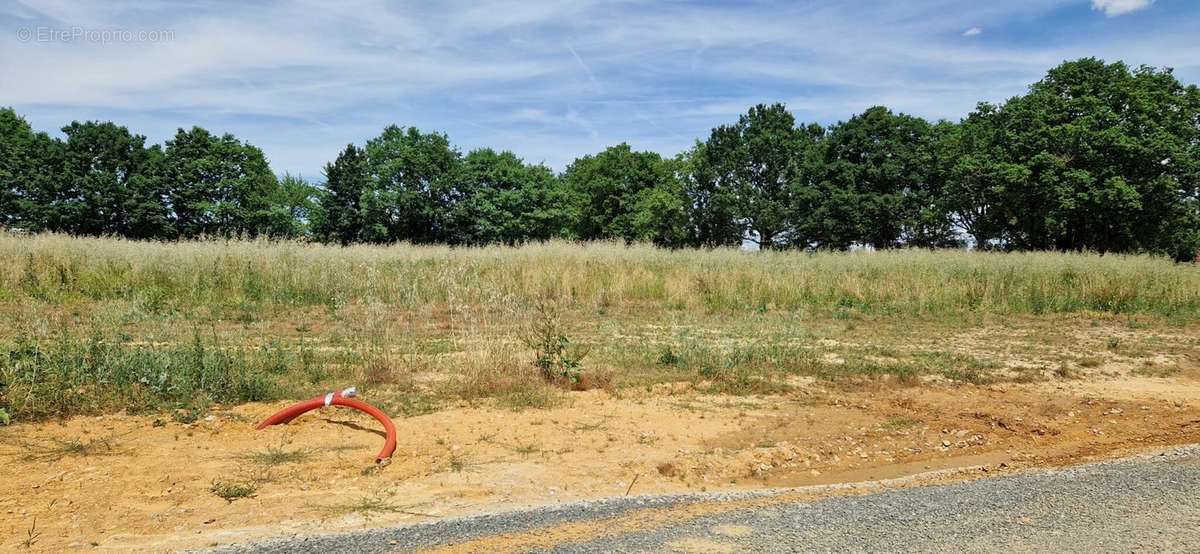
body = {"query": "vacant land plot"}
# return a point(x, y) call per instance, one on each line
point(133, 374)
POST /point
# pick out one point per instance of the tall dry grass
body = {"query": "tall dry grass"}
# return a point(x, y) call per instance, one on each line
point(90, 325)
point(263, 274)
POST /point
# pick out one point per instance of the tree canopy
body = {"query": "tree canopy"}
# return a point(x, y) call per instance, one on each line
point(625, 194)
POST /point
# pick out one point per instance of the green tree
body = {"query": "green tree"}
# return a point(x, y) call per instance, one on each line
point(217, 185)
point(1096, 156)
point(30, 167)
point(635, 196)
point(975, 174)
point(879, 184)
point(338, 213)
point(412, 177)
point(109, 184)
point(758, 161)
point(290, 208)
point(712, 210)
point(499, 199)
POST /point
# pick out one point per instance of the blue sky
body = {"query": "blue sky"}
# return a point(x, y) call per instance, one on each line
point(549, 80)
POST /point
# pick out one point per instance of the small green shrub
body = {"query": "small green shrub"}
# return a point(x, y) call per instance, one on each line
point(558, 360)
point(233, 490)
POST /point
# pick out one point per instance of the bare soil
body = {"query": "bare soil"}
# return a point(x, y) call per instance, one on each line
point(123, 482)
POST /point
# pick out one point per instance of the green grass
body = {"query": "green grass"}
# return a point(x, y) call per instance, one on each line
point(67, 374)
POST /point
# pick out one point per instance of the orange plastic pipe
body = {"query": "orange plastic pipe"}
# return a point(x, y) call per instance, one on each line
point(339, 398)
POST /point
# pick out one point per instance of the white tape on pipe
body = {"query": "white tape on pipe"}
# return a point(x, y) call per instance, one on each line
point(329, 399)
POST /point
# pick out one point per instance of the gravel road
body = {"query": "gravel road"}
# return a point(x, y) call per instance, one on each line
point(1149, 503)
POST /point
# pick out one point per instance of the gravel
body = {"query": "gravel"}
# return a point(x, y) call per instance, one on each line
point(1148, 503)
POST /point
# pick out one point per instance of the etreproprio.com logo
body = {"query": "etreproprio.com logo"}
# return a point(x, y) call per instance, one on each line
point(89, 35)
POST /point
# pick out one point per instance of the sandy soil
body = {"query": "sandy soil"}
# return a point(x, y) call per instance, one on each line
point(133, 483)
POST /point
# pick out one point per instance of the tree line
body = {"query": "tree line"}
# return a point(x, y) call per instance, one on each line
point(1094, 156)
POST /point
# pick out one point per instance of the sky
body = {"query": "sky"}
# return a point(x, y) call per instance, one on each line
point(549, 80)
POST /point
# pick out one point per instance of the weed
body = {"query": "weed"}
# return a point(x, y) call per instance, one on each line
point(646, 439)
point(589, 427)
point(667, 469)
point(31, 536)
point(526, 449)
point(900, 422)
point(967, 375)
point(458, 462)
point(262, 274)
point(534, 397)
point(278, 455)
point(1151, 369)
point(523, 449)
point(412, 404)
point(66, 374)
point(1064, 371)
point(192, 413)
point(557, 359)
point(56, 449)
point(233, 490)
point(668, 357)
point(100, 325)
point(5, 419)
point(370, 506)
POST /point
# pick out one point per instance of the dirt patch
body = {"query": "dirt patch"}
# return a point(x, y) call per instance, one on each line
point(136, 483)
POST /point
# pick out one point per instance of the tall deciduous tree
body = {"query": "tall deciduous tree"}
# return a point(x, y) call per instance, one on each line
point(620, 193)
point(217, 185)
point(30, 164)
point(110, 184)
point(412, 176)
point(975, 175)
point(712, 209)
point(290, 208)
point(879, 182)
point(338, 214)
point(1097, 156)
point(758, 162)
point(500, 199)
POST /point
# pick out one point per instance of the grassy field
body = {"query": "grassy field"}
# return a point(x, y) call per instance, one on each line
point(99, 325)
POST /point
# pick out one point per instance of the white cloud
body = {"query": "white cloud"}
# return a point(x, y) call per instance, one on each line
point(1113, 8)
point(550, 80)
